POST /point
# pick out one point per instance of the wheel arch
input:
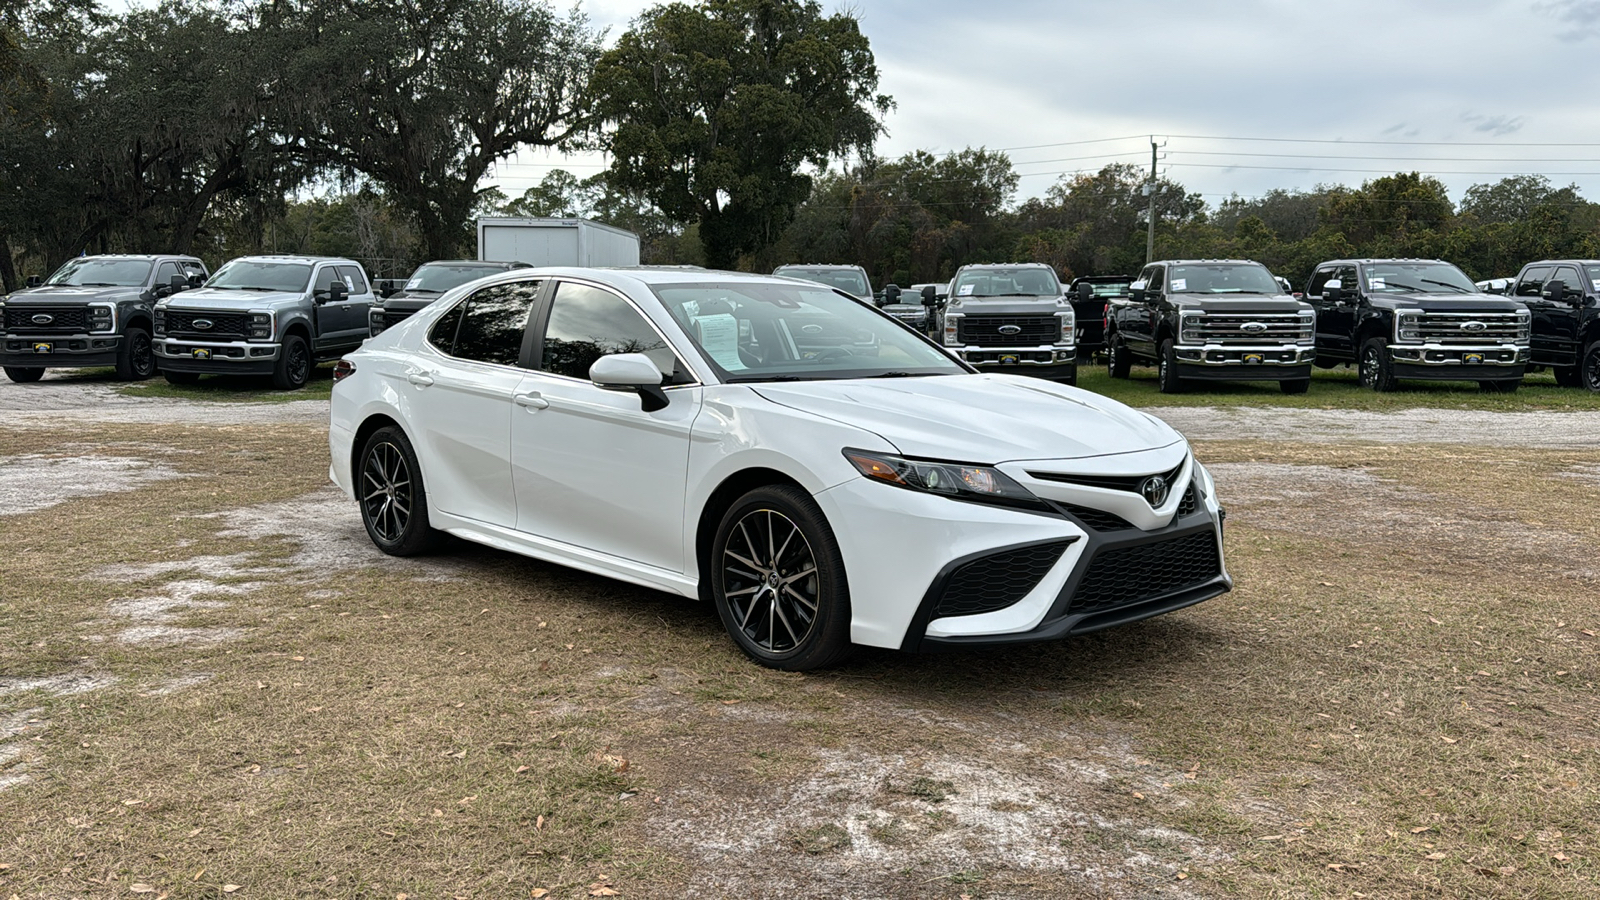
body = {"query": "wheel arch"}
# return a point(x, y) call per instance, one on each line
point(721, 498)
point(370, 425)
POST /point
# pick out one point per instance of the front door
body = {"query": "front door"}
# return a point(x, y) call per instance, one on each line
point(592, 469)
point(1555, 322)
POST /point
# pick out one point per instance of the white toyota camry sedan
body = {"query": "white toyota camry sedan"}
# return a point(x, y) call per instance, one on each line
point(823, 474)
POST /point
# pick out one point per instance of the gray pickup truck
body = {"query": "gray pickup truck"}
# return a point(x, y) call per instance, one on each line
point(1012, 318)
point(397, 302)
point(94, 311)
point(264, 315)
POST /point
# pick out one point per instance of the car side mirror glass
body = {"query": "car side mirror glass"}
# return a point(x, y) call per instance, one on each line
point(1085, 291)
point(34, 281)
point(930, 296)
point(337, 293)
point(1333, 290)
point(178, 283)
point(1136, 291)
point(891, 294)
point(632, 372)
point(1554, 290)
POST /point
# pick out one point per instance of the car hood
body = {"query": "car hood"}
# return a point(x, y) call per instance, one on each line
point(405, 300)
point(979, 418)
point(55, 295)
point(1447, 302)
point(227, 298)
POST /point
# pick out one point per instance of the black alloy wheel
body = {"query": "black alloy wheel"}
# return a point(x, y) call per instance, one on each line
point(136, 358)
point(294, 364)
point(1589, 369)
point(1118, 362)
point(779, 582)
point(394, 506)
point(1167, 380)
point(23, 376)
point(1375, 369)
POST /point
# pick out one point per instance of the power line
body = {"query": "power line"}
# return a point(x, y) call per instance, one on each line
point(1506, 159)
point(1209, 137)
point(1502, 174)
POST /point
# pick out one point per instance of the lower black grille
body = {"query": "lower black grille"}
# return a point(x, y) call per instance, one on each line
point(62, 319)
point(1189, 503)
point(1127, 575)
point(991, 330)
point(1096, 519)
point(224, 326)
point(997, 581)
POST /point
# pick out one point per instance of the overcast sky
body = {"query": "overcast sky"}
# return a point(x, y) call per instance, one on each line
point(1484, 80)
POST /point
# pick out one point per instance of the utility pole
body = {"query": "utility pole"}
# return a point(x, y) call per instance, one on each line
point(1150, 214)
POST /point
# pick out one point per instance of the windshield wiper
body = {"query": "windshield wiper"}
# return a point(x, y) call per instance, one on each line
point(1454, 287)
point(900, 375)
point(748, 379)
point(92, 284)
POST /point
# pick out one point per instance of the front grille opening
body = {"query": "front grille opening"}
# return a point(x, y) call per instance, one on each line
point(1126, 575)
point(1113, 482)
point(1189, 503)
point(63, 320)
point(998, 580)
point(1032, 330)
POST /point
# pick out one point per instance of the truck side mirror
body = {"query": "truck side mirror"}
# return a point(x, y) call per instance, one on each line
point(178, 283)
point(337, 293)
point(1333, 290)
point(930, 295)
point(196, 279)
point(891, 294)
point(34, 281)
point(1136, 291)
point(1555, 290)
point(1085, 291)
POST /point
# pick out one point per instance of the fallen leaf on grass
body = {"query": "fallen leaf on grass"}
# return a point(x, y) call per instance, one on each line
point(602, 890)
point(1588, 632)
point(465, 800)
point(1342, 867)
point(1559, 857)
point(1436, 856)
point(132, 802)
point(1270, 837)
point(197, 875)
point(538, 824)
point(1182, 875)
point(1138, 796)
point(142, 889)
point(1421, 828)
point(521, 769)
point(229, 888)
point(1450, 740)
point(539, 892)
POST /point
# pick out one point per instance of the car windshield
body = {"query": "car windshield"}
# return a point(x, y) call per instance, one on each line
point(1008, 283)
point(1417, 278)
point(1594, 276)
point(1225, 278)
point(784, 332)
point(436, 278)
point(90, 272)
point(255, 275)
point(848, 280)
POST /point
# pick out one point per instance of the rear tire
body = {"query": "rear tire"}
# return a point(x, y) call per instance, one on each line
point(136, 358)
point(1167, 380)
point(778, 580)
point(293, 368)
point(181, 378)
point(1295, 386)
point(1118, 362)
point(389, 489)
point(1375, 368)
point(23, 376)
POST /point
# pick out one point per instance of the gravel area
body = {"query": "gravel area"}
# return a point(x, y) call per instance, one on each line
point(49, 402)
point(1554, 430)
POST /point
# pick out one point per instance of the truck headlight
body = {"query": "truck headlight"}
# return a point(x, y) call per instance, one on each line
point(102, 318)
point(161, 321)
point(1308, 327)
point(260, 326)
point(958, 481)
point(1524, 326)
point(375, 323)
point(1191, 329)
point(1408, 326)
point(952, 321)
point(1069, 327)
point(2, 317)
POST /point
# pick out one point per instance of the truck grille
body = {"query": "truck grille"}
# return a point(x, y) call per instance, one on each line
point(1237, 328)
point(224, 326)
point(1454, 328)
point(985, 330)
point(63, 319)
point(1127, 575)
point(997, 581)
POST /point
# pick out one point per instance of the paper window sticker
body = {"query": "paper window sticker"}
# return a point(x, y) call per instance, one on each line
point(966, 290)
point(413, 283)
point(1595, 284)
point(1376, 282)
point(1180, 284)
point(350, 284)
point(718, 335)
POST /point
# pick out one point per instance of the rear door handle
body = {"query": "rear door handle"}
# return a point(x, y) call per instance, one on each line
point(420, 379)
point(532, 401)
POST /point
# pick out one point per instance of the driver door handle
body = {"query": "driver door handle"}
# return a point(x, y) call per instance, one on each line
point(532, 401)
point(420, 379)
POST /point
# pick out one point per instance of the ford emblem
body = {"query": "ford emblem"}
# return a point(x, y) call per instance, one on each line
point(1010, 329)
point(1253, 327)
point(203, 324)
point(1473, 326)
point(43, 319)
point(1154, 489)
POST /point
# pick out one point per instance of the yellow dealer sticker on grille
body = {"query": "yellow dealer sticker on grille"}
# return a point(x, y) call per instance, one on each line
point(202, 353)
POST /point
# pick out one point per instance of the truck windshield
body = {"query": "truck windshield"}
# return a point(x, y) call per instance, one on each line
point(848, 280)
point(1003, 282)
point(255, 275)
point(1224, 278)
point(1417, 278)
point(87, 271)
point(436, 278)
point(1113, 289)
point(786, 332)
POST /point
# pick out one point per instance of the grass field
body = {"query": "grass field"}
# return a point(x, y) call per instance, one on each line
point(214, 680)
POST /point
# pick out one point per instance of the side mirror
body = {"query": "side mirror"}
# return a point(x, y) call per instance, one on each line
point(178, 283)
point(337, 292)
point(1554, 290)
point(34, 281)
point(1136, 291)
point(891, 294)
point(930, 295)
point(633, 372)
point(1085, 291)
point(1333, 290)
point(385, 288)
point(196, 279)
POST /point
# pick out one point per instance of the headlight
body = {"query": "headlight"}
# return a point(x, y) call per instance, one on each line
point(375, 323)
point(1408, 326)
point(161, 320)
point(1308, 326)
point(951, 323)
point(261, 326)
point(1069, 327)
point(1192, 330)
point(102, 318)
point(2, 317)
point(1524, 326)
point(958, 481)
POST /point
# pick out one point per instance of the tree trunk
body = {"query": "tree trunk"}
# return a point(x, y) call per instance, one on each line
point(8, 271)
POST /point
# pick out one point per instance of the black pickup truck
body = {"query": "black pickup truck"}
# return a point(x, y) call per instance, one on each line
point(94, 311)
point(1416, 319)
point(1211, 320)
point(396, 302)
point(1090, 304)
point(1563, 296)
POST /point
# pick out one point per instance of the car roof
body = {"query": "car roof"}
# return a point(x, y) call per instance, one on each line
point(1557, 262)
point(1015, 265)
point(293, 258)
point(651, 276)
point(1386, 259)
point(1209, 262)
point(145, 256)
point(819, 266)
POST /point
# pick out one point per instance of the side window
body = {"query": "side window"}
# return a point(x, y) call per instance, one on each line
point(325, 277)
point(1569, 276)
point(1318, 279)
point(1156, 280)
point(164, 273)
point(353, 280)
point(1348, 279)
point(193, 270)
point(1531, 284)
point(443, 333)
point(494, 322)
point(587, 323)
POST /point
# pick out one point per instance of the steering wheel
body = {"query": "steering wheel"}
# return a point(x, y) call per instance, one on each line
point(832, 353)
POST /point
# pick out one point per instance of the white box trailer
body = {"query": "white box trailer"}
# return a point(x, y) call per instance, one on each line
point(555, 242)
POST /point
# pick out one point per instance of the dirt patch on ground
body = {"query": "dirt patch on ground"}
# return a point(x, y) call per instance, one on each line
point(51, 403)
point(34, 482)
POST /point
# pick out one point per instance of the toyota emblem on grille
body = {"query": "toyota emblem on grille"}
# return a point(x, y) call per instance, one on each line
point(43, 319)
point(1253, 327)
point(1154, 490)
point(1473, 326)
point(1010, 329)
point(203, 324)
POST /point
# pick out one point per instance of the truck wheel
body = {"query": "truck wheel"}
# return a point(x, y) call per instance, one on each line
point(136, 359)
point(1118, 362)
point(1377, 371)
point(1167, 380)
point(1568, 376)
point(181, 377)
point(294, 364)
point(24, 376)
point(1295, 385)
point(388, 484)
point(1589, 369)
point(1499, 387)
point(1069, 378)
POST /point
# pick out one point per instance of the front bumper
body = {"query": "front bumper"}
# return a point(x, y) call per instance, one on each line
point(1444, 362)
point(216, 357)
point(66, 351)
point(1040, 357)
point(1232, 362)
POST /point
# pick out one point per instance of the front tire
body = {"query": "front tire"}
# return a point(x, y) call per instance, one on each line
point(1118, 362)
point(1167, 380)
point(23, 376)
point(1499, 387)
point(136, 358)
point(1376, 369)
point(1568, 376)
point(293, 369)
point(181, 378)
point(394, 505)
point(778, 580)
point(1588, 369)
point(1295, 386)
